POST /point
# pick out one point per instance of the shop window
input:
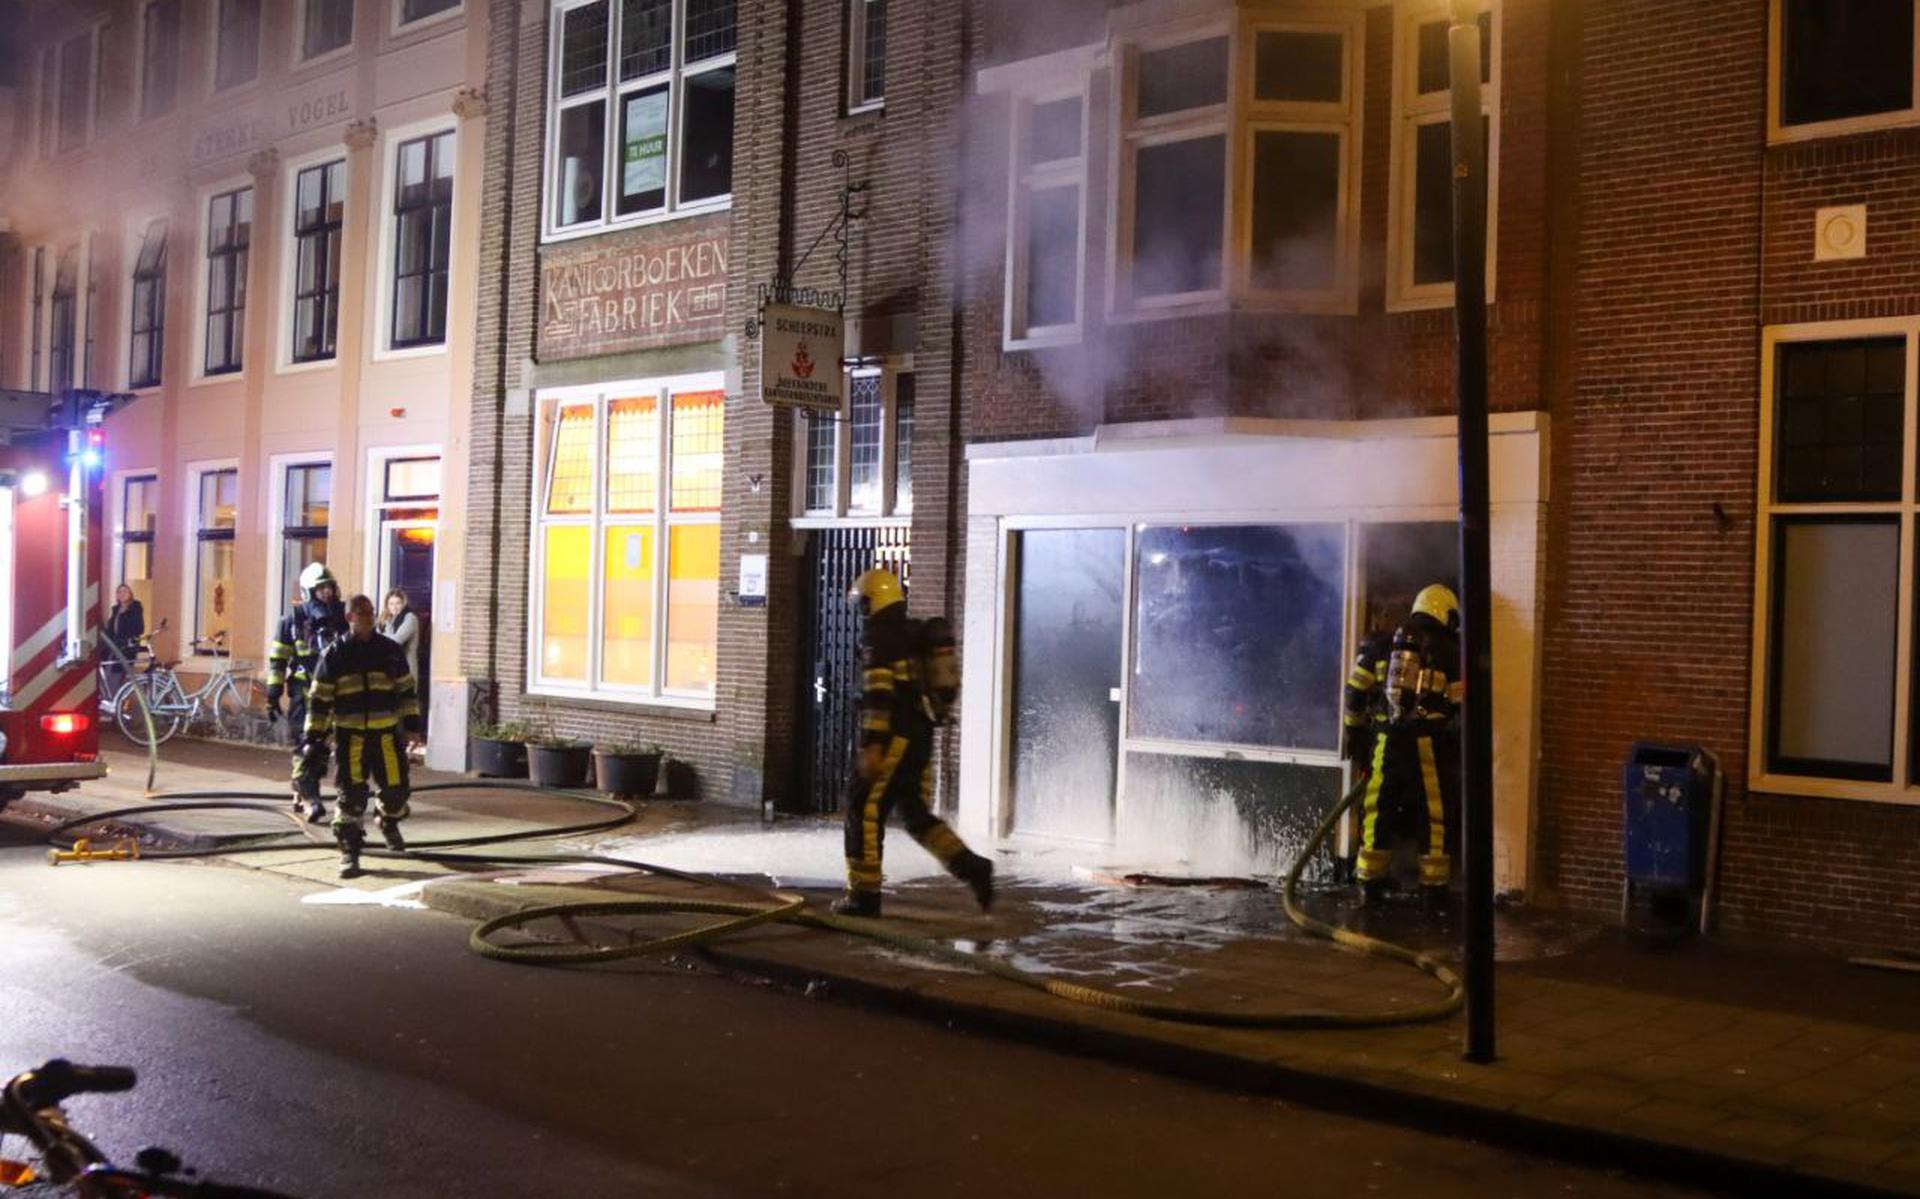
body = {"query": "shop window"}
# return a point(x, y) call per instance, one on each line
point(642, 121)
point(159, 57)
point(1420, 236)
point(139, 499)
point(236, 44)
point(229, 236)
point(319, 205)
point(627, 574)
point(422, 240)
point(147, 320)
point(1835, 517)
point(217, 497)
point(1842, 65)
point(866, 54)
point(861, 465)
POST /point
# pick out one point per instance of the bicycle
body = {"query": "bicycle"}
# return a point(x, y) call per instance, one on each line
point(225, 699)
point(30, 1107)
point(116, 670)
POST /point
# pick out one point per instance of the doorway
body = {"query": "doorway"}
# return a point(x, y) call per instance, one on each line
point(408, 512)
point(830, 668)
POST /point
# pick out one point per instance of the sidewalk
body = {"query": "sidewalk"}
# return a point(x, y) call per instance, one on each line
point(1749, 1068)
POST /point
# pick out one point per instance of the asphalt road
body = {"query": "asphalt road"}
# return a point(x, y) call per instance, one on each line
point(332, 1050)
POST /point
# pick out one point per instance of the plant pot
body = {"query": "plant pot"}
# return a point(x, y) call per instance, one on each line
point(559, 765)
point(626, 774)
point(497, 759)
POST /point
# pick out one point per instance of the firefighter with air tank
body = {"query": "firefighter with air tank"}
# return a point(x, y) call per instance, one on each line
point(364, 698)
point(1402, 715)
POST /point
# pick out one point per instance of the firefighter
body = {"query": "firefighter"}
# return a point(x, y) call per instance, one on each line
point(894, 767)
point(312, 624)
point(1402, 705)
point(364, 697)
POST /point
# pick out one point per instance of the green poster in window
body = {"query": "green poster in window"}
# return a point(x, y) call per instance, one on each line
point(644, 154)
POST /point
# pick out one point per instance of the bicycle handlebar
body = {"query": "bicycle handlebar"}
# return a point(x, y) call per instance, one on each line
point(60, 1080)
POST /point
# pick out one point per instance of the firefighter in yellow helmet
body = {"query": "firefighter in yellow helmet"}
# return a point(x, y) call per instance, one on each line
point(1403, 726)
point(909, 687)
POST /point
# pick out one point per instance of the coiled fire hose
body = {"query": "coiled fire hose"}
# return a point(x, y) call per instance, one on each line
point(774, 906)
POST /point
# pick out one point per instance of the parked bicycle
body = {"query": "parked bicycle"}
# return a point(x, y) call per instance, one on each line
point(30, 1107)
point(116, 672)
point(222, 704)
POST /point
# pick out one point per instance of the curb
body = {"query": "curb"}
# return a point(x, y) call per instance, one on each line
point(1345, 1094)
point(54, 812)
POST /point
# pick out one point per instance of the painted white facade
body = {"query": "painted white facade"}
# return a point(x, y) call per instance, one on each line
point(1247, 471)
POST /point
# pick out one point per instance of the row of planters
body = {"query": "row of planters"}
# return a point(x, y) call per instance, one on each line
point(548, 759)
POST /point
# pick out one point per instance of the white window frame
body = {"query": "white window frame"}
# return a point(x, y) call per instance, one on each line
point(299, 23)
point(1778, 133)
point(135, 234)
point(190, 576)
point(51, 115)
point(1411, 110)
point(1902, 789)
point(219, 7)
point(289, 255)
point(117, 568)
point(278, 467)
point(399, 25)
point(612, 94)
point(1024, 177)
point(376, 505)
point(141, 115)
point(840, 514)
point(203, 203)
point(382, 306)
point(856, 62)
point(662, 520)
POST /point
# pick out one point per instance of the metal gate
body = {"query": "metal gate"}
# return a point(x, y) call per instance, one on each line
point(830, 671)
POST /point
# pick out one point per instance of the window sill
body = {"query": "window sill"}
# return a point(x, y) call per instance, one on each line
point(1787, 135)
point(304, 368)
point(666, 707)
point(576, 232)
point(865, 114)
point(421, 25)
point(1046, 338)
point(225, 377)
point(405, 352)
point(305, 65)
point(1761, 783)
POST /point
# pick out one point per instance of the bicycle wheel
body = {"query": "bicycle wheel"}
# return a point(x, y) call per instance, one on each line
point(233, 704)
point(131, 714)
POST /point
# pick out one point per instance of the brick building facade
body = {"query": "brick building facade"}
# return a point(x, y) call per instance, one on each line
point(648, 286)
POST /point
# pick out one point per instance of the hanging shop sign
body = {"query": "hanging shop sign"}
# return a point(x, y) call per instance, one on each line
point(635, 293)
point(800, 352)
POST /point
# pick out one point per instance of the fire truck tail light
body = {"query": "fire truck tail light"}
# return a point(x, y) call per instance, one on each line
point(64, 724)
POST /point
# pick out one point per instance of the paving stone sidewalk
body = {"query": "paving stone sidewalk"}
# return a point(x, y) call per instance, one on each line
point(1759, 1069)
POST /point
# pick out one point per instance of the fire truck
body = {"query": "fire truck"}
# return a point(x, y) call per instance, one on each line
point(51, 578)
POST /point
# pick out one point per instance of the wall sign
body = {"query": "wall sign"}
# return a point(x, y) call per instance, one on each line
point(326, 101)
point(634, 295)
point(800, 352)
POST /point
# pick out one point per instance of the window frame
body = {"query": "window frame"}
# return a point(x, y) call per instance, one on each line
point(73, 301)
point(137, 229)
point(384, 348)
point(856, 101)
point(144, 113)
point(597, 520)
point(39, 293)
point(1025, 177)
point(53, 107)
point(841, 514)
point(214, 87)
point(287, 361)
point(198, 537)
point(204, 292)
point(1904, 785)
point(612, 94)
point(1412, 110)
point(303, 14)
point(281, 468)
point(122, 535)
point(1779, 133)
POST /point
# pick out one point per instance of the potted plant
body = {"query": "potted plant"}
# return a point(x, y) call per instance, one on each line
point(626, 767)
point(498, 750)
point(556, 760)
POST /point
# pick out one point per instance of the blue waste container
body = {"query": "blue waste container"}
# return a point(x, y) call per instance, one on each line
point(1668, 792)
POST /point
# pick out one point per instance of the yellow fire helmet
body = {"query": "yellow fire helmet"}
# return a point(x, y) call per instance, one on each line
point(1437, 600)
point(876, 591)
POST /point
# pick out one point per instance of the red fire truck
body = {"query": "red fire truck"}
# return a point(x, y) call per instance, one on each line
point(51, 578)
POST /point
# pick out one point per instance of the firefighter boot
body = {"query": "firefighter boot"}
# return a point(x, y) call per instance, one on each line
point(857, 903)
point(977, 872)
point(390, 833)
point(309, 807)
point(352, 838)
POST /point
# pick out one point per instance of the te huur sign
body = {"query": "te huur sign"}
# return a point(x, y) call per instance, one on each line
point(800, 352)
point(636, 295)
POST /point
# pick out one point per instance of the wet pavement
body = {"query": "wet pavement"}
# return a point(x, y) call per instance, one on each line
point(1715, 1060)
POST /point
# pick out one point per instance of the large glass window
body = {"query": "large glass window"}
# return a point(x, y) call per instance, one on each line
point(1422, 232)
point(326, 26)
point(307, 501)
point(319, 202)
point(866, 54)
point(861, 465)
point(229, 234)
point(1842, 60)
point(643, 109)
point(1049, 166)
point(64, 321)
point(423, 239)
point(139, 506)
point(159, 57)
point(216, 512)
point(627, 542)
point(149, 309)
point(237, 45)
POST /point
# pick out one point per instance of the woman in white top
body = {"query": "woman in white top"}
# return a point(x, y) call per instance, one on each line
point(403, 626)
